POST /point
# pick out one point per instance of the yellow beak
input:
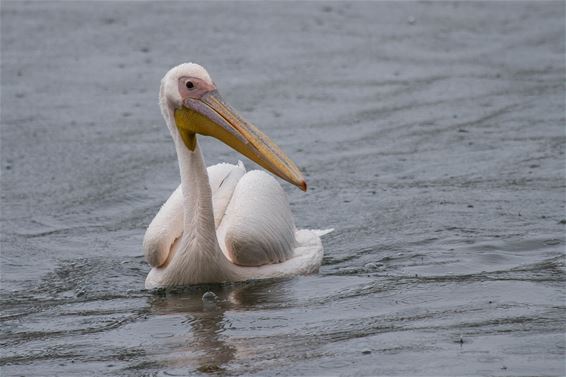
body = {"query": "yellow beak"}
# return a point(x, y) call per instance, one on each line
point(211, 116)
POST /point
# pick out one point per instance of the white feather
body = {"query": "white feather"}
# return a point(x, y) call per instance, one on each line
point(258, 225)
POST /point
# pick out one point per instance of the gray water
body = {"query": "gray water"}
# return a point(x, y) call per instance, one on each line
point(432, 138)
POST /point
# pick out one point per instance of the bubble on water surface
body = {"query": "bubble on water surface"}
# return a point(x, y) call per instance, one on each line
point(209, 297)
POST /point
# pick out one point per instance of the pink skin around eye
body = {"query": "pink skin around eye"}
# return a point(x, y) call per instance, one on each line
point(200, 88)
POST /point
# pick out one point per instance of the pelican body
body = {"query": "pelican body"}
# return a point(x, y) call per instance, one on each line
point(223, 224)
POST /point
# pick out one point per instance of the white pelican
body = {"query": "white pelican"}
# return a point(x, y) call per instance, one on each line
point(223, 224)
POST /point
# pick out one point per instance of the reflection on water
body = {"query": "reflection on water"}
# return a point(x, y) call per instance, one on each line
point(207, 348)
point(203, 335)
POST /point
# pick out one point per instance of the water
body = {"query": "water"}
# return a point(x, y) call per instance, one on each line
point(431, 136)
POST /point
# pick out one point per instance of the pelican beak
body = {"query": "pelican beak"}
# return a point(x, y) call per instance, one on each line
point(209, 115)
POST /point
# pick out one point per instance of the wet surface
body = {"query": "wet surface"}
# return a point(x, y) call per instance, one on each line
point(432, 138)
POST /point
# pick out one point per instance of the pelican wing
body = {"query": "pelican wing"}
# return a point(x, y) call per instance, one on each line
point(257, 227)
point(223, 179)
point(164, 229)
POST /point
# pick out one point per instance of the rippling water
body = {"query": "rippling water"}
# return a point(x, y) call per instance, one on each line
point(432, 138)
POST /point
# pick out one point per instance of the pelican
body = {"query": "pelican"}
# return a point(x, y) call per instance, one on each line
point(223, 224)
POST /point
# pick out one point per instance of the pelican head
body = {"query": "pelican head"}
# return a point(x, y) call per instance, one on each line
point(192, 105)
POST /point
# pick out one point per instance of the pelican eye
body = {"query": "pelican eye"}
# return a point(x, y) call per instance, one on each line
point(189, 85)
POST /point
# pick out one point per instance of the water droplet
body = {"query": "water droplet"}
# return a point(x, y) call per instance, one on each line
point(209, 296)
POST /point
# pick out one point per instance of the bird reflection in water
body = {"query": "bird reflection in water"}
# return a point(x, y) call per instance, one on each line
point(205, 346)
